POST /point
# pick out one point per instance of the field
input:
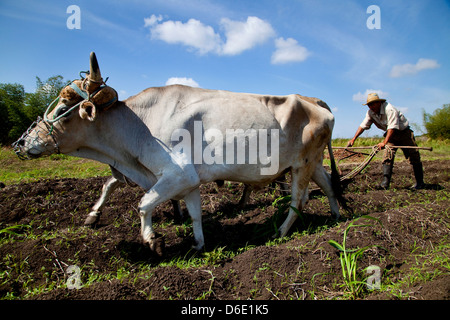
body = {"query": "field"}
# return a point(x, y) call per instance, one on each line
point(46, 253)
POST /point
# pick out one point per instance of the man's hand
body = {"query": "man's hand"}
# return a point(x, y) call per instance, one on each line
point(389, 134)
point(357, 134)
point(350, 143)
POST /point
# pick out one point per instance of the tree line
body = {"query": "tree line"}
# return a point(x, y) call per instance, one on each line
point(438, 123)
point(18, 109)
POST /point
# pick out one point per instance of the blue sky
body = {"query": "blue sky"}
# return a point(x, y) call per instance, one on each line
point(319, 48)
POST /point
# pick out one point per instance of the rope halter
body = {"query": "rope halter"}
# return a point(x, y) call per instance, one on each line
point(96, 98)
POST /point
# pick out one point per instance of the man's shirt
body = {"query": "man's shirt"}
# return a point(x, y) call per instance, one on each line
point(389, 118)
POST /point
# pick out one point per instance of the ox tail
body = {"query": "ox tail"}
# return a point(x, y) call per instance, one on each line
point(336, 181)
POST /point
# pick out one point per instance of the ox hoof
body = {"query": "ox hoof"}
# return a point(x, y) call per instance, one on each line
point(280, 234)
point(157, 244)
point(275, 236)
point(91, 220)
point(198, 247)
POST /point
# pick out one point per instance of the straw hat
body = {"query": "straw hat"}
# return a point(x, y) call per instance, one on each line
point(373, 97)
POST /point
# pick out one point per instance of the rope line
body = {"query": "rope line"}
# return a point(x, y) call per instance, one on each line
point(355, 171)
point(363, 164)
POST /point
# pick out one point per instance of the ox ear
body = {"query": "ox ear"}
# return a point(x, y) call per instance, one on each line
point(88, 111)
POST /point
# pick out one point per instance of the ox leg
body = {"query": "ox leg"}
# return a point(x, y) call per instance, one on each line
point(299, 196)
point(323, 180)
point(245, 196)
point(108, 188)
point(193, 204)
point(281, 181)
point(162, 191)
point(146, 207)
point(178, 213)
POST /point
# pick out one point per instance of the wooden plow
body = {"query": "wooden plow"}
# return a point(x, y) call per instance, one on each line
point(281, 181)
point(369, 158)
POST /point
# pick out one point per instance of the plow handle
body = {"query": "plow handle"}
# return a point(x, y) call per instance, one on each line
point(394, 147)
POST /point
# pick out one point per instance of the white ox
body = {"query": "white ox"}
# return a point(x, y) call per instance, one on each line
point(152, 140)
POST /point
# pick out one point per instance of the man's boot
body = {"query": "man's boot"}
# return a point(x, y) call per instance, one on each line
point(387, 174)
point(418, 174)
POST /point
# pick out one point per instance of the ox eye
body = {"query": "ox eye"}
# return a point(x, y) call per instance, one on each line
point(61, 111)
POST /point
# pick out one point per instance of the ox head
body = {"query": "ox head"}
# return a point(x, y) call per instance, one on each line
point(67, 119)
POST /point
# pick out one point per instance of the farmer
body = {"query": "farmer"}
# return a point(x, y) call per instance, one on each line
point(398, 133)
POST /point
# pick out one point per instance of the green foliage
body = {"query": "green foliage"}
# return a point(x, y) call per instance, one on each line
point(349, 259)
point(46, 92)
point(19, 109)
point(282, 204)
point(13, 170)
point(438, 123)
point(12, 116)
point(9, 230)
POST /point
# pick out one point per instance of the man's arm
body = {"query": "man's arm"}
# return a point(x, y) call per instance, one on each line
point(389, 134)
point(357, 134)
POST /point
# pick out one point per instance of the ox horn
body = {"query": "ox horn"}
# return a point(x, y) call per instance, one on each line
point(95, 75)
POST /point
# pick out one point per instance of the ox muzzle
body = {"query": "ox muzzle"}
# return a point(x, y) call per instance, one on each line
point(31, 145)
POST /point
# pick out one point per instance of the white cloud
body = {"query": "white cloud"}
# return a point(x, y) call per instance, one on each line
point(362, 97)
point(243, 36)
point(193, 34)
point(407, 69)
point(184, 81)
point(240, 36)
point(149, 22)
point(288, 51)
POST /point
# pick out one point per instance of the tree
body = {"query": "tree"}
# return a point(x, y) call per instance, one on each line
point(36, 103)
point(19, 109)
point(438, 123)
point(12, 116)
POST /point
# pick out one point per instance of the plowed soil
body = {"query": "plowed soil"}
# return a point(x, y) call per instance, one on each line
point(406, 243)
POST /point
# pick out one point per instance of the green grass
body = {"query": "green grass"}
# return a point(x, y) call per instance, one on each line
point(349, 259)
point(13, 170)
point(425, 266)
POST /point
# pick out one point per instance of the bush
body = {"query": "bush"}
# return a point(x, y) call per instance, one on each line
point(438, 123)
